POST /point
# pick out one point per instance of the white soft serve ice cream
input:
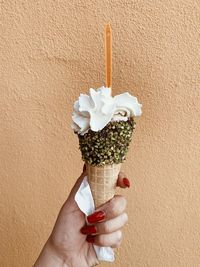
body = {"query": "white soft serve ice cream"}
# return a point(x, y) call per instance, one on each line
point(96, 110)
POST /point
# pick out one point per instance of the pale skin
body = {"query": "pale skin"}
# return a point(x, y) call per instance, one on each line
point(67, 246)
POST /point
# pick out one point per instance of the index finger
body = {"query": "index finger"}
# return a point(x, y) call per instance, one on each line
point(111, 209)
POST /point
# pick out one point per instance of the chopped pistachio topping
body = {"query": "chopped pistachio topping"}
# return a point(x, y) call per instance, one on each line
point(108, 146)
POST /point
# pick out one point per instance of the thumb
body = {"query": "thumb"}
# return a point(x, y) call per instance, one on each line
point(77, 184)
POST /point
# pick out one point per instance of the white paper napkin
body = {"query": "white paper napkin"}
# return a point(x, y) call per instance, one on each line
point(85, 202)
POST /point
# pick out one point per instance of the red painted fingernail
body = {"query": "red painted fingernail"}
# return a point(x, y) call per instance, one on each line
point(89, 229)
point(126, 182)
point(96, 217)
point(90, 239)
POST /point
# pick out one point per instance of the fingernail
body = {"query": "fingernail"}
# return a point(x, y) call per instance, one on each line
point(126, 182)
point(84, 167)
point(96, 217)
point(88, 230)
point(90, 239)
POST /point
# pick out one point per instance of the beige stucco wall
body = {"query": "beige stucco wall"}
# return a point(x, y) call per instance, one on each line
point(53, 50)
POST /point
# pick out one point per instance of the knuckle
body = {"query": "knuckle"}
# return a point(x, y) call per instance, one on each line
point(118, 236)
point(107, 227)
point(117, 205)
point(125, 217)
point(124, 202)
point(118, 241)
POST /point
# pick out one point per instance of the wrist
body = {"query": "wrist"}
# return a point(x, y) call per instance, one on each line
point(60, 257)
point(64, 260)
point(50, 257)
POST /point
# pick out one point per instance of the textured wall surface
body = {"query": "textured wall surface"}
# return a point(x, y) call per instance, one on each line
point(50, 51)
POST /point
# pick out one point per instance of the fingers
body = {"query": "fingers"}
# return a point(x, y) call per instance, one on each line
point(106, 227)
point(113, 208)
point(105, 224)
point(112, 225)
point(123, 181)
point(106, 240)
point(77, 184)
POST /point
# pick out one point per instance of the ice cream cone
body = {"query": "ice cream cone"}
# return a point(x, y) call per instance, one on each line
point(103, 152)
point(104, 125)
point(102, 181)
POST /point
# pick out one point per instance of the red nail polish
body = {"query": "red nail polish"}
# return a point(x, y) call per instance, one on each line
point(90, 239)
point(126, 182)
point(96, 217)
point(89, 229)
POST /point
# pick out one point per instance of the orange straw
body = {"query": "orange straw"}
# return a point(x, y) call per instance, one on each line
point(108, 55)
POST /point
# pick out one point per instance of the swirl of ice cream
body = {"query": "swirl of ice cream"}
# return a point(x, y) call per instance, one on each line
point(96, 110)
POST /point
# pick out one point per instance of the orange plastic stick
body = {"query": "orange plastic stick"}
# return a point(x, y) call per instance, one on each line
point(108, 55)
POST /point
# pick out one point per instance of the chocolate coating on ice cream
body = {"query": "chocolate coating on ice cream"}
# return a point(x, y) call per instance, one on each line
point(108, 146)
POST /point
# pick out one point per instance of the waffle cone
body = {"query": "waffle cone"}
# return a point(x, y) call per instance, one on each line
point(102, 181)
